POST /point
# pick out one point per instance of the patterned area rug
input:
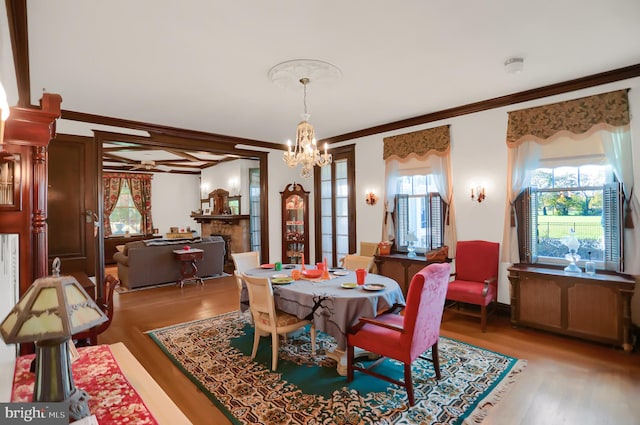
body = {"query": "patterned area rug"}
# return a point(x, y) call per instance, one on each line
point(215, 354)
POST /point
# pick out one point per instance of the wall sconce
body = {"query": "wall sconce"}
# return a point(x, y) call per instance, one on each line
point(477, 193)
point(4, 114)
point(371, 198)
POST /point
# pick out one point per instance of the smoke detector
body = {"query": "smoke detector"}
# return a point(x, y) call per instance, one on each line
point(514, 65)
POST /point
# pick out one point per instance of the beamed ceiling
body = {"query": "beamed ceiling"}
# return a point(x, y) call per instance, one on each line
point(200, 69)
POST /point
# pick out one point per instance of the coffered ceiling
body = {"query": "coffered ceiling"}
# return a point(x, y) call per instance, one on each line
point(203, 65)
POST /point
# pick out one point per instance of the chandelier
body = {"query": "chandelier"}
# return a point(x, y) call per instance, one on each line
point(290, 75)
point(306, 151)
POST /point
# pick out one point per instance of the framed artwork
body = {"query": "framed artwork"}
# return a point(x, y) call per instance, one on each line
point(234, 205)
point(207, 211)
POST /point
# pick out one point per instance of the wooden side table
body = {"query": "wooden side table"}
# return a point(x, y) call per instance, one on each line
point(188, 268)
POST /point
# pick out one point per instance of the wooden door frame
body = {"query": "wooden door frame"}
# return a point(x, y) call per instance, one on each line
point(186, 143)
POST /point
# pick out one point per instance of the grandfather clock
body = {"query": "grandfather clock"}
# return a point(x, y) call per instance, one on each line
point(23, 202)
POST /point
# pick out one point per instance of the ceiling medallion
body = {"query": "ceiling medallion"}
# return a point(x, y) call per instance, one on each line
point(303, 71)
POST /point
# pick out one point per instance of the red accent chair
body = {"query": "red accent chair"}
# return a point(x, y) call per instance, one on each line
point(405, 337)
point(475, 280)
point(90, 336)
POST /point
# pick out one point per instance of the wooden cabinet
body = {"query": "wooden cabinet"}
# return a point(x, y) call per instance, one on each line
point(400, 268)
point(295, 224)
point(23, 210)
point(596, 308)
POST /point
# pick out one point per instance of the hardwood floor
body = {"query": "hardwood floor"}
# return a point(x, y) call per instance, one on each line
point(566, 381)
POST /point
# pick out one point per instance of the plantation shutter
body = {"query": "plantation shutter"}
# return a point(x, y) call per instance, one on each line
point(526, 222)
point(612, 199)
point(402, 220)
point(532, 217)
point(436, 225)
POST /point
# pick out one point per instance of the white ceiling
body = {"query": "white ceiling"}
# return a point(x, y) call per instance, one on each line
point(202, 64)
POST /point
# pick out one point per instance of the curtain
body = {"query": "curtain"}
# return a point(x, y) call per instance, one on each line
point(594, 125)
point(111, 184)
point(140, 186)
point(418, 153)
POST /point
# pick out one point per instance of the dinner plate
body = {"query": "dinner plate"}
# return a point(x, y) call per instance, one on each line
point(267, 266)
point(335, 269)
point(279, 275)
point(313, 274)
point(340, 273)
point(349, 285)
point(281, 280)
point(373, 286)
point(289, 266)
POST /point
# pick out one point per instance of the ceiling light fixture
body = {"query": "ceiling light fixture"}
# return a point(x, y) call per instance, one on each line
point(514, 65)
point(305, 151)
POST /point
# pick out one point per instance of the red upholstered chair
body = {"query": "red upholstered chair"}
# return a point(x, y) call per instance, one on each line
point(90, 336)
point(475, 280)
point(405, 337)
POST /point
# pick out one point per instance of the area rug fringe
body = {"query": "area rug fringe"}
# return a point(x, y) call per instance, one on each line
point(479, 414)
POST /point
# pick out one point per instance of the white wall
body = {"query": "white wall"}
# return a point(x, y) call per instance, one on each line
point(232, 176)
point(478, 153)
point(173, 198)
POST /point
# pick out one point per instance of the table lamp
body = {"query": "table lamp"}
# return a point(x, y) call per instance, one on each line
point(52, 310)
point(411, 239)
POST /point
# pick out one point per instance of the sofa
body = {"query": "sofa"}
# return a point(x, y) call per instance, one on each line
point(152, 262)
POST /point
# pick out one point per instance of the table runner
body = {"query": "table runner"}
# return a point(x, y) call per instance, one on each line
point(113, 399)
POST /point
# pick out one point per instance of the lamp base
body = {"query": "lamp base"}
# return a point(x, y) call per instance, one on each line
point(572, 268)
point(78, 404)
point(54, 380)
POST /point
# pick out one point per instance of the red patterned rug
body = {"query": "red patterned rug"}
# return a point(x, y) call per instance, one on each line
point(113, 399)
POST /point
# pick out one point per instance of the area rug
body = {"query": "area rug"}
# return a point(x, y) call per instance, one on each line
point(215, 354)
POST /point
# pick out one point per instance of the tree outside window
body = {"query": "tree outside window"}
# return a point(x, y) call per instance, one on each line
point(419, 211)
point(125, 218)
point(566, 199)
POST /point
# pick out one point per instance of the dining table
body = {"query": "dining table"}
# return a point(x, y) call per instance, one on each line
point(334, 303)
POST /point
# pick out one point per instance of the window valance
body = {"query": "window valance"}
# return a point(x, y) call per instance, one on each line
point(576, 116)
point(418, 142)
point(133, 176)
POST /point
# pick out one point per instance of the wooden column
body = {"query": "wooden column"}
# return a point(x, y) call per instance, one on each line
point(27, 135)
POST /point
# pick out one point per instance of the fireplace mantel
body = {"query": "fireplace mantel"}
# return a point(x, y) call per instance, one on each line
point(228, 218)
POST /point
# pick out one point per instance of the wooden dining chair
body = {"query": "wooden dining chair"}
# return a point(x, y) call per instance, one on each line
point(90, 336)
point(268, 320)
point(354, 262)
point(404, 337)
point(475, 280)
point(243, 261)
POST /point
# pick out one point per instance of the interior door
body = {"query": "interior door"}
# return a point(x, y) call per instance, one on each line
point(73, 214)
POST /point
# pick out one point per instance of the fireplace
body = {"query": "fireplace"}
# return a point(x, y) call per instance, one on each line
point(233, 228)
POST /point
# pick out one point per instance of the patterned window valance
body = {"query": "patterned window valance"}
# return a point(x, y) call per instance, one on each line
point(134, 176)
point(418, 142)
point(576, 116)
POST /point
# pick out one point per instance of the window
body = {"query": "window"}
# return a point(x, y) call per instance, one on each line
point(125, 218)
point(335, 217)
point(254, 208)
point(583, 200)
point(418, 212)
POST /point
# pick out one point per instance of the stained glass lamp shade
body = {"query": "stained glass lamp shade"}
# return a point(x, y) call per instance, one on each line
point(50, 311)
